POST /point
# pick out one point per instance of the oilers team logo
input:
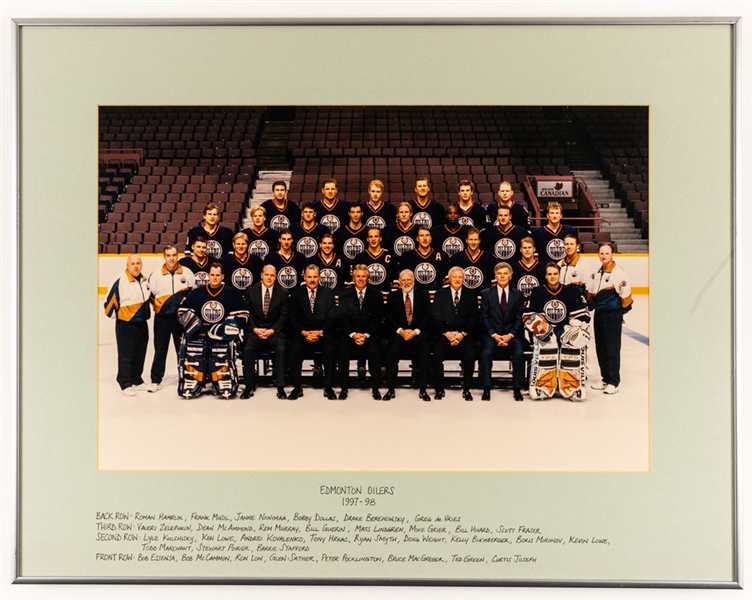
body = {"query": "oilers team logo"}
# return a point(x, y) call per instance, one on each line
point(279, 222)
point(555, 311)
point(213, 312)
point(241, 278)
point(376, 274)
point(307, 246)
point(331, 222)
point(202, 278)
point(423, 219)
point(473, 278)
point(555, 249)
point(466, 221)
point(452, 245)
point(425, 273)
point(353, 247)
point(183, 279)
point(213, 249)
point(287, 277)
point(375, 221)
point(259, 248)
point(505, 249)
point(328, 278)
point(527, 284)
point(404, 244)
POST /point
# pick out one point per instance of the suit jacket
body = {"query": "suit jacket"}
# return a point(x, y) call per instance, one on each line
point(301, 317)
point(395, 311)
point(490, 310)
point(276, 318)
point(366, 320)
point(444, 316)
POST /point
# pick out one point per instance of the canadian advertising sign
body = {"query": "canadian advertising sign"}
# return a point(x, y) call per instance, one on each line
point(554, 188)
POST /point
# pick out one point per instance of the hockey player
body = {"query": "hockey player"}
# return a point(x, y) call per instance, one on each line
point(128, 302)
point(218, 238)
point(261, 239)
point(429, 266)
point(381, 264)
point(558, 318)
point(471, 213)
point(334, 269)
point(197, 262)
point(610, 295)
point(169, 285)
point(549, 239)
point(281, 213)
point(426, 212)
point(529, 272)
point(242, 269)
point(350, 240)
point(307, 233)
point(450, 236)
point(575, 270)
point(331, 211)
point(400, 237)
point(213, 317)
point(376, 211)
point(520, 214)
point(477, 264)
point(503, 239)
point(289, 264)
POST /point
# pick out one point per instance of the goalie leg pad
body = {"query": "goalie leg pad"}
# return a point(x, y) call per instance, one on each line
point(224, 374)
point(572, 373)
point(191, 367)
point(543, 367)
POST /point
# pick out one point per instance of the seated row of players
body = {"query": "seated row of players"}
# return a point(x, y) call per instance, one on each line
point(214, 315)
point(503, 223)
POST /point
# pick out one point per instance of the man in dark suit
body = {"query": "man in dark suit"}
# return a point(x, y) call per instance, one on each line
point(311, 307)
point(501, 310)
point(361, 311)
point(455, 319)
point(408, 317)
point(267, 303)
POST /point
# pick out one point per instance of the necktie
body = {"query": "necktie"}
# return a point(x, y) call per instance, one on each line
point(313, 299)
point(456, 300)
point(503, 302)
point(267, 301)
point(360, 300)
point(408, 310)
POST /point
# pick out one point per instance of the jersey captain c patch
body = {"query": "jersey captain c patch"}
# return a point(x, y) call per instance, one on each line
point(213, 312)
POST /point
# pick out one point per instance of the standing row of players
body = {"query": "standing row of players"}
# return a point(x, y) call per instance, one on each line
point(465, 237)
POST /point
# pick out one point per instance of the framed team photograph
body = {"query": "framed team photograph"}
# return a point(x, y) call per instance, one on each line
point(417, 316)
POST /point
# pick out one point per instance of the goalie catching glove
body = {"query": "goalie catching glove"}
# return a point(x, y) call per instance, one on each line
point(575, 334)
point(227, 331)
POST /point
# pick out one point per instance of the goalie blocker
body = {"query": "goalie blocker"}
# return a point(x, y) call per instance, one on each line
point(558, 318)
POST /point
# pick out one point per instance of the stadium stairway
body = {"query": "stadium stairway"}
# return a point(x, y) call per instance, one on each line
point(622, 229)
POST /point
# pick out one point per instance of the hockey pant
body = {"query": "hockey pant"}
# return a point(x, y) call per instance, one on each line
point(202, 360)
point(553, 368)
